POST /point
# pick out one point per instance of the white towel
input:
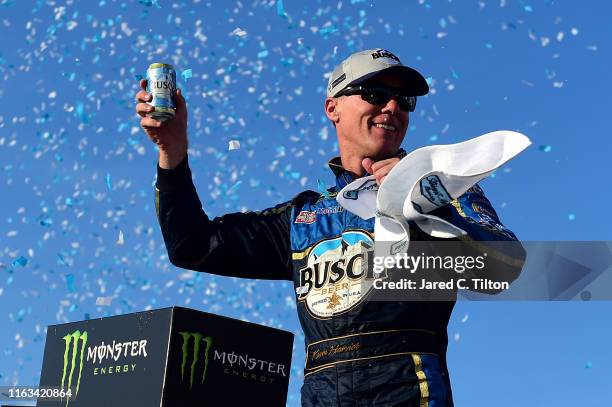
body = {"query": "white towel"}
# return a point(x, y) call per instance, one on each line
point(424, 180)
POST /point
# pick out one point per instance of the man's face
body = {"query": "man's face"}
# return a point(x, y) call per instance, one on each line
point(368, 130)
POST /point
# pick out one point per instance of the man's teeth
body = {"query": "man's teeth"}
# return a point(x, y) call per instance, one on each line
point(385, 126)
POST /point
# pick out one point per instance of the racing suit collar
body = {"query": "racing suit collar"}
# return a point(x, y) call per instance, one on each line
point(343, 177)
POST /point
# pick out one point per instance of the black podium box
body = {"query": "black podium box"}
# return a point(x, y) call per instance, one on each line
point(171, 357)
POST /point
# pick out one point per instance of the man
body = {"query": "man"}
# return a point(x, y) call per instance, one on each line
point(359, 353)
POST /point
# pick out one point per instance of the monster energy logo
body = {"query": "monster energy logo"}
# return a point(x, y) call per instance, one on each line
point(198, 338)
point(72, 346)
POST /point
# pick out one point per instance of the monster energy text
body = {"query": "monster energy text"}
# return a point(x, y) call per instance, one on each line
point(74, 353)
point(113, 351)
point(249, 367)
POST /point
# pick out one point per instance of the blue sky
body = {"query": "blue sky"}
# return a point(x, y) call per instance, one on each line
point(76, 171)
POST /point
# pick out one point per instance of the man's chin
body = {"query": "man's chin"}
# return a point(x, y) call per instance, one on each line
point(384, 153)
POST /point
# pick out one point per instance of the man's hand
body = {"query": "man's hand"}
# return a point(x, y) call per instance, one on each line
point(379, 169)
point(171, 135)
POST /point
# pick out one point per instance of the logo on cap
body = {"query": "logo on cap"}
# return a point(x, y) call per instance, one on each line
point(383, 53)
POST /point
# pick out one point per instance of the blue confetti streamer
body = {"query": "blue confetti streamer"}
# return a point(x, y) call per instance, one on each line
point(328, 30)
point(109, 185)
point(186, 74)
point(235, 186)
point(19, 261)
point(545, 148)
point(70, 282)
point(322, 189)
point(280, 8)
point(80, 113)
point(46, 221)
point(61, 260)
point(429, 79)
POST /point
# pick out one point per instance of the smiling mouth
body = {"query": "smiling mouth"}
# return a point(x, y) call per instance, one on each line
point(389, 127)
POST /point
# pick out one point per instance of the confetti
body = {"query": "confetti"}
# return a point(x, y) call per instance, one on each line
point(109, 185)
point(280, 9)
point(187, 74)
point(234, 145)
point(322, 188)
point(70, 283)
point(120, 240)
point(545, 148)
point(239, 32)
point(104, 301)
point(20, 261)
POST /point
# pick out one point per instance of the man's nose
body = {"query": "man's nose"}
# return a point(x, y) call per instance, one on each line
point(392, 106)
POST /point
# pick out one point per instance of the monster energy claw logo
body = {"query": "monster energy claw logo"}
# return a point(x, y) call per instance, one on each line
point(72, 341)
point(197, 339)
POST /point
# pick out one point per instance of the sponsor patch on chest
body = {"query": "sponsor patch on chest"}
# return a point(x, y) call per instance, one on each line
point(333, 279)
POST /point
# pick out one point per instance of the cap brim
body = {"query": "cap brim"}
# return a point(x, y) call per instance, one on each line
point(412, 81)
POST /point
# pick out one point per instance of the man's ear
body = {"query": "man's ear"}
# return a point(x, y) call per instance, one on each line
point(331, 109)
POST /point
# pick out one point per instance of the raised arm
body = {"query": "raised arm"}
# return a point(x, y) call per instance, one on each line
point(249, 245)
point(170, 136)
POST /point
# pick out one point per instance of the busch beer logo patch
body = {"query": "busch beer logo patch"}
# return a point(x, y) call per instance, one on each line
point(434, 191)
point(333, 280)
point(306, 217)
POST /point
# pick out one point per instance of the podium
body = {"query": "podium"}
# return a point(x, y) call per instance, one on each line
point(170, 357)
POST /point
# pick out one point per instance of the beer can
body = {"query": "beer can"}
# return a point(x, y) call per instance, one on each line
point(161, 84)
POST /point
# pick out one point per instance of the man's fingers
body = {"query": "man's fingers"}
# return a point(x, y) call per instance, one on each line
point(150, 123)
point(178, 98)
point(367, 164)
point(143, 96)
point(179, 101)
point(143, 108)
point(381, 169)
point(143, 84)
point(383, 163)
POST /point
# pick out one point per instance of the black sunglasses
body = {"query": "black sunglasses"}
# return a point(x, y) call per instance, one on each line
point(380, 95)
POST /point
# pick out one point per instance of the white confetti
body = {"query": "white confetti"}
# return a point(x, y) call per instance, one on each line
point(234, 145)
point(104, 301)
point(239, 32)
point(120, 240)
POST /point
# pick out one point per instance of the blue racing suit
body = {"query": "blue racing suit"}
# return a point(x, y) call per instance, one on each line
point(359, 353)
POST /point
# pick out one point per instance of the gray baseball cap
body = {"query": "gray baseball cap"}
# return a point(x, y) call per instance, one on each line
point(363, 65)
